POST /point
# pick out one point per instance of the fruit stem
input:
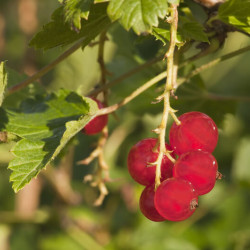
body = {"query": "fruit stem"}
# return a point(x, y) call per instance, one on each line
point(172, 113)
point(166, 94)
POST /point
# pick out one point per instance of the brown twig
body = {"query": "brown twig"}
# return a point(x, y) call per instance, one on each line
point(98, 180)
point(102, 175)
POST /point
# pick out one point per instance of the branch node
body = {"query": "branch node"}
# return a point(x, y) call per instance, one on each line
point(157, 131)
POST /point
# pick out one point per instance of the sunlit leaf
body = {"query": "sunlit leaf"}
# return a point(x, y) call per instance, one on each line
point(140, 15)
point(45, 125)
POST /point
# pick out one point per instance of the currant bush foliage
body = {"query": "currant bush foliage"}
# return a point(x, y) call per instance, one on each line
point(44, 126)
point(236, 13)
point(75, 10)
point(44, 123)
point(141, 15)
point(58, 32)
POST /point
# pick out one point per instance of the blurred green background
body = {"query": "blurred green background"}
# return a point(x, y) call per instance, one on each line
point(56, 210)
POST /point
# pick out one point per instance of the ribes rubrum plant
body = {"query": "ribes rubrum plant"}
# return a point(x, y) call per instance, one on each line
point(174, 168)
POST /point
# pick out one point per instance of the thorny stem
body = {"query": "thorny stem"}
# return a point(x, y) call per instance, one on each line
point(161, 130)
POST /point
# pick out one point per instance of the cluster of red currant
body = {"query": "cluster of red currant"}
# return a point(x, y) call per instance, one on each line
point(194, 172)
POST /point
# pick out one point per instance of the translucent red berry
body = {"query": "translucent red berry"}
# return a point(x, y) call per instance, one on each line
point(198, 167)
point(139, 158)
point(147, 205)
point(196, 131)
point(176, 199)
point(98, 123)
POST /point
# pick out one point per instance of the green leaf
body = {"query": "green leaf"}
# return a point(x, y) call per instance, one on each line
point(58, 33)
point(44, 126)
point(191, 30)
point(75, 10)
point(140, 15)
point(187, 30)
point(236, 13)
point(162, 33)
point(3, 81)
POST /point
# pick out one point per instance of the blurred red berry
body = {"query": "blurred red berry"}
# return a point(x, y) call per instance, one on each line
point(98, 123)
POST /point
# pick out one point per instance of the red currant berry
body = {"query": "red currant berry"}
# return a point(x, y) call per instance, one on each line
point(147, 205)
point(196, 131)
point(176, 199)
point(198, 167)
point(98, 123)
point(139, 158)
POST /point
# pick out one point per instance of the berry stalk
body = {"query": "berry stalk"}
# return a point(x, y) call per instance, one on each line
point(161, 130)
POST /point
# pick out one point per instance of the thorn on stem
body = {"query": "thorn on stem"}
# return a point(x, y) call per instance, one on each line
point(151, 164)
point(173, 94)
point(157, 131)
point(173, 110)
point(158, 99)
point(169, 19)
